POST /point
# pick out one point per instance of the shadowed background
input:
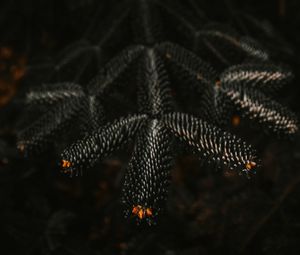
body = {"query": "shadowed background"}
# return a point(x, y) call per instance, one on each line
point(208, 212)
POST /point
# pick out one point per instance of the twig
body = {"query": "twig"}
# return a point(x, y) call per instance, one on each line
point(257, 227)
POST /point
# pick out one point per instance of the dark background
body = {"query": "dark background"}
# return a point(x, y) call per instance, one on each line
point(208, 212)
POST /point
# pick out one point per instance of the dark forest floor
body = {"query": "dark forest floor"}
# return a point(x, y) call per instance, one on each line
point(208, 212)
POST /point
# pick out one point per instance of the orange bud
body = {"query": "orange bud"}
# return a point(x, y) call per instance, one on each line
point(250, 165)
point(66, 164)
point(136, 209)
point(149, 212)
point(141, 214)
point(236, 120)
